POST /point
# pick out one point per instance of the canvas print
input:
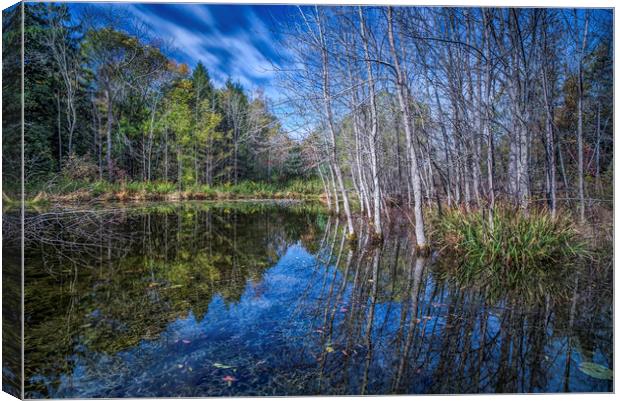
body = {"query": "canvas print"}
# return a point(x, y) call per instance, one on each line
point(215, 200)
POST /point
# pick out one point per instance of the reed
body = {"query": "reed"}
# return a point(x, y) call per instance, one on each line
point(517, 249)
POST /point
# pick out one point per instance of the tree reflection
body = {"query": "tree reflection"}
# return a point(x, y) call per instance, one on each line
point(409, 329)
point(366, 318)
point(162, 263)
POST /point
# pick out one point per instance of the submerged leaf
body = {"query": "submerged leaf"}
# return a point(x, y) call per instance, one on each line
point(597, 371)
point(222, 366)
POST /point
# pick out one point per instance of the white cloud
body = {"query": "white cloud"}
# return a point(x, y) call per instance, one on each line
point(243, 58)
point(185, 41)
point(242, 53)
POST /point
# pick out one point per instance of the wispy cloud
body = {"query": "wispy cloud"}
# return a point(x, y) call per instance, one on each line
point(238, 45)
point(185, 41)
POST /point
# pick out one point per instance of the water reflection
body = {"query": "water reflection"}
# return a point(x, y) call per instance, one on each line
point(11, 305)
point(264, 299)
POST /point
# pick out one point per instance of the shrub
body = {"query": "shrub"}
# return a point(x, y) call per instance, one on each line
point(79, 168)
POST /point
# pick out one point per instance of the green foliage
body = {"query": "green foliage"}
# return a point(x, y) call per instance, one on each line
point(11, 102)
point(161, 187)
point(293, 166)
point(203, 87)
point(139, 114)
point(40, 85)
point(308, 186)
point(102, 187)
point(65, 188)
point(518, 251)
point(253, 188)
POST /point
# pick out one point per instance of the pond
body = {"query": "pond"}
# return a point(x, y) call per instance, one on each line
point(266, 298)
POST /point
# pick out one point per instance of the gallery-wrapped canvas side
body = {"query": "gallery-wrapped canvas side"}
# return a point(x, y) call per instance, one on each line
point(12, 190)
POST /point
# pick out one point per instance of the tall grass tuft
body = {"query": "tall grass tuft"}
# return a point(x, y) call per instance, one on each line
point(517, 251)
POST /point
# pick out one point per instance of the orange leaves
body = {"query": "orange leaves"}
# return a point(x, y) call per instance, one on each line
point(181, 69)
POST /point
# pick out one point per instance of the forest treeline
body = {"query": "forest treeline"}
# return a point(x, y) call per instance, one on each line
point(406, 107)
point(104, 101)
point(459, 106)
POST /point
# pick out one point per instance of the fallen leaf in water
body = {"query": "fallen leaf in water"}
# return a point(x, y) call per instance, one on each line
point(329, 349)
point(222, 366)
point(345, 353)
point(597, 371)
point(172, 287)
point(179, 366)
point(151, 285)
point(190, 369)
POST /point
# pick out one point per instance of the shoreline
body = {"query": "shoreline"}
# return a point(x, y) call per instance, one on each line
point(92, 192)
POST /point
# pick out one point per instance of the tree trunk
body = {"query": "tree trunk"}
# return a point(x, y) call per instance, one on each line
point(109, 135)
point(332, 129)
point(580, 95)
point(166, 154)
point(59, 133)
point(374, 132)
point(403, 100)
point(549, 139)
point(487, 119)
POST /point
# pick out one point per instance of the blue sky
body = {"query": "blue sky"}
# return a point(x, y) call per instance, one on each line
point(236, 41)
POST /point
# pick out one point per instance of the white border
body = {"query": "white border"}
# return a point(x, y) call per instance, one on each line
point(497, 3)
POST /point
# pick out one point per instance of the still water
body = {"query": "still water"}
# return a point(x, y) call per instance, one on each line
point(208, 299)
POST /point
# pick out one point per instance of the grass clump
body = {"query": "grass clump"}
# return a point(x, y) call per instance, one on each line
point(514, 250)
point(307, 186)
point(101, 187)
point(252, 188)
point(161, 188)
